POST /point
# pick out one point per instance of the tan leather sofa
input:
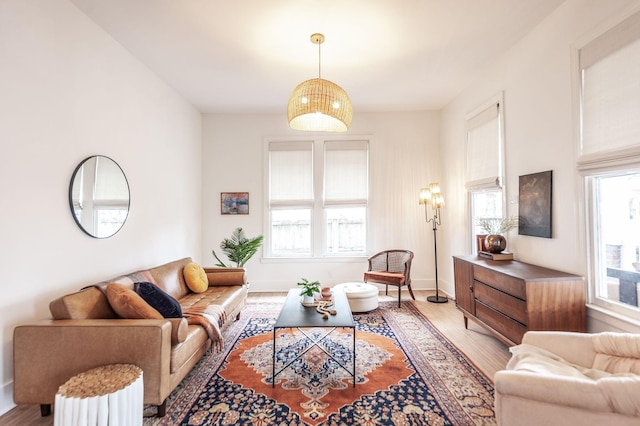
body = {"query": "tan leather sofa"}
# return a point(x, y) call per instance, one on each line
point(565, 378)
point(85, 333)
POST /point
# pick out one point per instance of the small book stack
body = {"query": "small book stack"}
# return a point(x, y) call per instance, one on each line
point(504, 255)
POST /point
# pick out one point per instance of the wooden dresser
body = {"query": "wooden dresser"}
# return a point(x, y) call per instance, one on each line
point(508, 297)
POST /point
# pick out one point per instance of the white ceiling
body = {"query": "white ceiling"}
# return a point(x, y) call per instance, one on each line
point(246, 56)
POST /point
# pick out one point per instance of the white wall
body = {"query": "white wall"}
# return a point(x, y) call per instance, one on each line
point(403, 158)
point(536, 77)
point(69, 91)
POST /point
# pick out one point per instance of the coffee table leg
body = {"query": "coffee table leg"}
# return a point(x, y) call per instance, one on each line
point(273, 365)
point(313, 344)
point(354, 357)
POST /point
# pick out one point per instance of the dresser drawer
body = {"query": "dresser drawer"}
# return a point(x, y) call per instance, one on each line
point(501, 302)
point(509, 284)
point(504, 325)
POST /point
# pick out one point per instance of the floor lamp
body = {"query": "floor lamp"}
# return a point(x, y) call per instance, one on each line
point(433, 196)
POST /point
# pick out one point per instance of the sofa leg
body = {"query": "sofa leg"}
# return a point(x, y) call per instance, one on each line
point(45, 410)
point(162, 409)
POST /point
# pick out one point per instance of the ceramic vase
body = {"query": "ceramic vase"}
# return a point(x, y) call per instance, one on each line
point(308, 299)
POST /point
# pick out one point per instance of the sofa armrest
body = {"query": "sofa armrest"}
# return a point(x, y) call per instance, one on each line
point(47, 353)
point(555, 390)
point(576, 348)
point(226, 276)
point(179, 330)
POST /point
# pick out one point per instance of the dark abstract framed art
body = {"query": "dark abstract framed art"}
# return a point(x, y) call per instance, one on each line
point(534, 197)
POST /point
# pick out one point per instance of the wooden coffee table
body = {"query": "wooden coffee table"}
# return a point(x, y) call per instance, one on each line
point(295, 315)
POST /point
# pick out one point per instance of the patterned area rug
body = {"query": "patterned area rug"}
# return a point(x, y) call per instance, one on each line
point(407, 373)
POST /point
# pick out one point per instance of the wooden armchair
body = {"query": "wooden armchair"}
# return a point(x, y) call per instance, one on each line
point(391, 267)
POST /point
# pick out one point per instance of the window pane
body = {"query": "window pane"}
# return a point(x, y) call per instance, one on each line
point(109, 220)
point(291, 232)
point(485, 205)
point(618, 235)
point(346, 230)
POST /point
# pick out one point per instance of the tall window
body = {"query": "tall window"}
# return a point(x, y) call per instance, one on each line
point(485, 164)
point(610, 164)
point(318, 195)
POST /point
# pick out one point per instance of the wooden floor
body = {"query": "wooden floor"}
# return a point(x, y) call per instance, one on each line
point(485, 351)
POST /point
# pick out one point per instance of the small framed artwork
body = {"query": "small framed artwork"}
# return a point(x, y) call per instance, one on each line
point(234, 203)
point(534, 199)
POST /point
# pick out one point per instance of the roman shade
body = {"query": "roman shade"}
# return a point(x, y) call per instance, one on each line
point(484, 149)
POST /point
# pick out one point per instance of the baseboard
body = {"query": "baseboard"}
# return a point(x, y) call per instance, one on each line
point(6, 398)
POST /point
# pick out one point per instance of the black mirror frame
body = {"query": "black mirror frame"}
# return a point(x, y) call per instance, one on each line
point(73, 213)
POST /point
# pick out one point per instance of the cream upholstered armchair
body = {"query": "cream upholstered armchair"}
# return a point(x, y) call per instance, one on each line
point(391, 267)
point(564, 378)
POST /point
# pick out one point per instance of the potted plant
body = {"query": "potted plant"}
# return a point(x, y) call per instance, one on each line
point(238, 248)
point(495, 229)
point(309, 290)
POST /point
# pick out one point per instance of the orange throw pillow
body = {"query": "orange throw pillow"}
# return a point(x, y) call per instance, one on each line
point(128, 304)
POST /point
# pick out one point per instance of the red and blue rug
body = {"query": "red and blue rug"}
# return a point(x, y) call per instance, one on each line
point(407, 373)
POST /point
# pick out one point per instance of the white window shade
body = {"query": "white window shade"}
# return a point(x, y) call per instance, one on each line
point(110, 185)
point(291, 172)
point(610, 68)
point(484, 153)
point(345, 172)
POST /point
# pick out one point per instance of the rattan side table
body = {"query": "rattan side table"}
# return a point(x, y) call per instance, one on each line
point(108, 395)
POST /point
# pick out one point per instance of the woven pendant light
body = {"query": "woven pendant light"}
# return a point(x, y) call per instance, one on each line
point(318, 104)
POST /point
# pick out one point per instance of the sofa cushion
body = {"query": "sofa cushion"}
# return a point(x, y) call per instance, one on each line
point(384, 277)
point(158, 299)
point(617, 352)
point(182, 353)
point(169, 277)
point(88, 303)
point(225, 276)
point(540, 361)
point(128, 304)
point(196, 277)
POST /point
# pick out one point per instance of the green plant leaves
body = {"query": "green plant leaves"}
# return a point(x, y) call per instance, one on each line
point(238, 249)
point(495, 226)
point(309, 288)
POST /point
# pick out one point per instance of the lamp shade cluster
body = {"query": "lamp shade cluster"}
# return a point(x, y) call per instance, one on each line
point(432, 195)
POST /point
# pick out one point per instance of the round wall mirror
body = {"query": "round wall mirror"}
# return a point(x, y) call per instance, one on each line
point(99, 196)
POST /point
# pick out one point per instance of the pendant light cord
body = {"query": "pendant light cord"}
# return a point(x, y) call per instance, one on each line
point(319, 60)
